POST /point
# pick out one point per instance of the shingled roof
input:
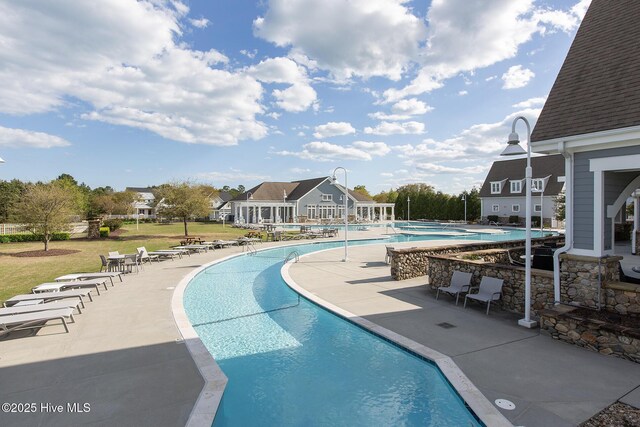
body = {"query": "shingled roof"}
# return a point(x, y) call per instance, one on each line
point(598, 86)
point(541, 167)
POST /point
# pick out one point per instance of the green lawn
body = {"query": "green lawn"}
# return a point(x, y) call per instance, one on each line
point(19, 275)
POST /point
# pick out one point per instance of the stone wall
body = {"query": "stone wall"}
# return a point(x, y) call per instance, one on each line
point(93, 231)
point(585, 278)
point(414, 262)
point(606, 336)
point(637, 242)
point(441, 269)
point(623, 298)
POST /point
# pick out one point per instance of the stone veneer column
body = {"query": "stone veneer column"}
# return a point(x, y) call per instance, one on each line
point(583, 278)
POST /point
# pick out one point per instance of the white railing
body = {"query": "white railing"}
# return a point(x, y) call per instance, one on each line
point(12, 228)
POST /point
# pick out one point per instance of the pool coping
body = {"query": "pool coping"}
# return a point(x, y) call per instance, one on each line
point(215, 381)
point(471, 395)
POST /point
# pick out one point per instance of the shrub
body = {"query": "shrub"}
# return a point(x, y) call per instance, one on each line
point(492, 218)
point(17, 238)
point(113, 224)
point(104, 232)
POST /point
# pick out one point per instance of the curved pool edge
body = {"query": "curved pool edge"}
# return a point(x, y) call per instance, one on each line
point(215, 381)
point(472, 396)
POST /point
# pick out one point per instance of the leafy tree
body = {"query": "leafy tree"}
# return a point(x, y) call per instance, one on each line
point(112, 203)
point(80, 192)
point(183, 200)
point(10, 194)
point(241, 189)
point(362, 190)
point(47, 208)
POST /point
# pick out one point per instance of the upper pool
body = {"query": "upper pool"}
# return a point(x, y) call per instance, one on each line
point(290, 362)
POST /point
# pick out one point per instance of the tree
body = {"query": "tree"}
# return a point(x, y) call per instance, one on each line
point(560, 206)
point(46, 209)
point(111, 203)
point(10, 194)
point(183, 200)
point(362, 190)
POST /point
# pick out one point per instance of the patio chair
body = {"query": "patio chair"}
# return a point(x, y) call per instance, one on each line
point(131, 261)
point(145, 256)
point(514, 261)
point(18, 322)
point(460, 283)
point(490, 289)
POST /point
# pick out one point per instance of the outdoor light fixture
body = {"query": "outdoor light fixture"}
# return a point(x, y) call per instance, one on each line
point(334, 180)
point(408, 209)
point(513, 148)
point(249, 196)
point(464, 197)
point(1, 161)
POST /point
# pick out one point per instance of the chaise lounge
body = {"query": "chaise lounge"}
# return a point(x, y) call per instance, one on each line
point(33, 320)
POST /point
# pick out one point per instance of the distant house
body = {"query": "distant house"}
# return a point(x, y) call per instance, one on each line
point(314, 199)
point(503, 192)
point(220, 209)
point(145, 204)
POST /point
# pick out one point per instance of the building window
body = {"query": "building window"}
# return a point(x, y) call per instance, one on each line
point(537, 184)
point(537, 208)
point(516, 186)
point(515, 208)
point(311, 211)
point(496, 187)
point(327, 197)
point(495, 208)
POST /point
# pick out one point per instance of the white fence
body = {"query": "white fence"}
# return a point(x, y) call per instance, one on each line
point(12, 228)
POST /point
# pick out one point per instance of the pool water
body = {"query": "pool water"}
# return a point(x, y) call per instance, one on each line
point(290, 362)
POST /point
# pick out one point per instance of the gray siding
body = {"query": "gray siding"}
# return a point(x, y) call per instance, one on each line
point(583, 194)
point(505, 203)
point(314, 197)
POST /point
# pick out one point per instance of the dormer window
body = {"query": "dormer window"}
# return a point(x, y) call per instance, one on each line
point(496, 187)
point(516, 186)
point(327, 197)
point(537, 184)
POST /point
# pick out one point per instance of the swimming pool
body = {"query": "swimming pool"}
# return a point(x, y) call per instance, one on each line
point(289, 362)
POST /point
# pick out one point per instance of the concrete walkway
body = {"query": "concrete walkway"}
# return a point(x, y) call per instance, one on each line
point(124, 356)
point(550, 382)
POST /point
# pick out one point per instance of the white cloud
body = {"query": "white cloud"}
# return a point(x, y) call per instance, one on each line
point(442, 169)
point(199, 23)
point(20, 138)
point(249, 53)
point(117, 67)
point(333, 129)
point(350, 43)
point(480, 142)
point(297, 97)
point(231, 176)
point(411, 107)
point(299, 171)
point(379, 115)
point(393, 128)
point(324, 151)
point(531, 102)
point(517, 77)
point(460, 40)
point(463, 93)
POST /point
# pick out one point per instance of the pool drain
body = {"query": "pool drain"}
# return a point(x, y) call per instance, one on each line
point(505, 404)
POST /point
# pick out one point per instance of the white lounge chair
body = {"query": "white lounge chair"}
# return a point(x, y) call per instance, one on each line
point(49, 296)
point(37, 319)
point(146, 256)
point(84, 276)
point(61, 286)
point(53, 305)
point(490, 289)
point(460, 283)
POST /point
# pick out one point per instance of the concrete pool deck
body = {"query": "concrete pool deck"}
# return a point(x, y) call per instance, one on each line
point(126, 357)
point(550, 382)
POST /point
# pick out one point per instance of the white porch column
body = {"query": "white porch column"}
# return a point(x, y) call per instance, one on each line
point(259, 213)
point(393, 213)
point(598, 213)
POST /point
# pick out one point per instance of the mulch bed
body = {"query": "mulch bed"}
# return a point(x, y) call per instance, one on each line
point(618, 414)
point(41, 253)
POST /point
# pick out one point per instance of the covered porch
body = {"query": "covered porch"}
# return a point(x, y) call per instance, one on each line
point(257, 212)
point(375, 211)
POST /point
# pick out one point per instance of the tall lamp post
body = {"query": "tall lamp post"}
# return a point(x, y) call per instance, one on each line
point(464, 197)
point(408, 209)
point(346, 211)
point(514, 148)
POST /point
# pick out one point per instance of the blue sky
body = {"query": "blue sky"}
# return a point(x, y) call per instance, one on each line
point(228, 92)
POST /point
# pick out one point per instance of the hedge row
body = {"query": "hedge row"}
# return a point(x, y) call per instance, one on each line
point(14, 238)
